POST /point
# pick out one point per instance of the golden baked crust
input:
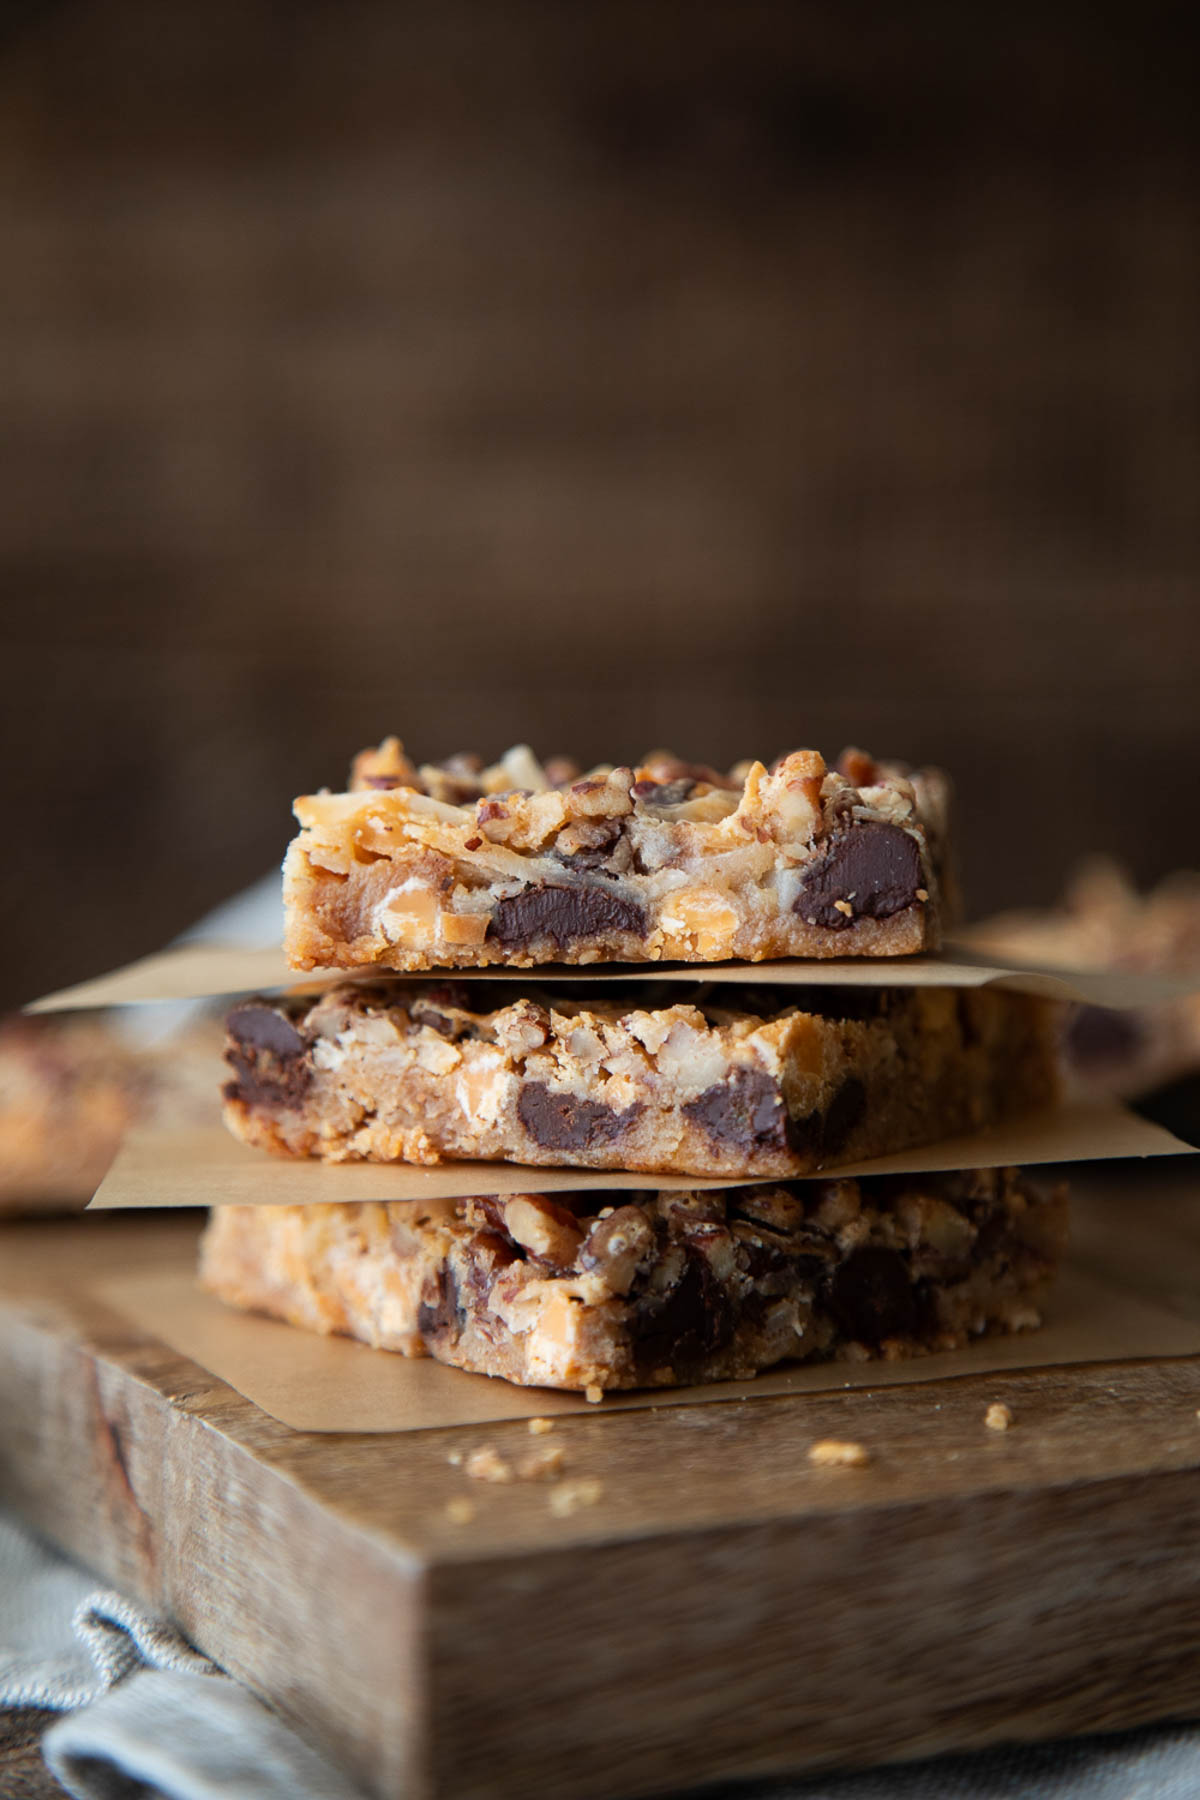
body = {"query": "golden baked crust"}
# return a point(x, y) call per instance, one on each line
point(458, 866)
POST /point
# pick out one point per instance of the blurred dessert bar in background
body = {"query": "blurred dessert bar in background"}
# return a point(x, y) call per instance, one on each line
point(72, 1085)
point(1103, 922)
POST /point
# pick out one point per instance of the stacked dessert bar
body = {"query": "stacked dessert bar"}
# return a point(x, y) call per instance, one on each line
point(415, 878)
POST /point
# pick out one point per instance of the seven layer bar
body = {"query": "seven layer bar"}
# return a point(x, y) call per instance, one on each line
point(656, 1289)
point(722, 1082)
point(457, 866)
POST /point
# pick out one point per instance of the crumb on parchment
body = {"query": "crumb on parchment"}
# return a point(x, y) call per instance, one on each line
point(593, 1395)
point(460, 1511)
point(837, 1453)
point(539, 1427)
point(998, 1417)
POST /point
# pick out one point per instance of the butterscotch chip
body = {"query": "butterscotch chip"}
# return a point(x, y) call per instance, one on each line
point(488, 1465)
point(545, 1464)
point(457, 865)
point(837, 1453)
point(571, 1495)
point(460, 1511)
point(998, 1417)
point(539, 1427)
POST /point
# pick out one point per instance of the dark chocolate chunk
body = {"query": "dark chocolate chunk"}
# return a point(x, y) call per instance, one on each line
point(681, 1328)
point(747, 1112)
point(560, 1121)
point(263, 1027)
point(1097, 1036)
point(268, 1056)
point(870, 1296)
point(564, 915)
point(875, 869)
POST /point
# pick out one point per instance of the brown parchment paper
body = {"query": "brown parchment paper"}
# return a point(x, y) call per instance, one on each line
point(335, 1385)
point(205, 971)
point(208, 1167)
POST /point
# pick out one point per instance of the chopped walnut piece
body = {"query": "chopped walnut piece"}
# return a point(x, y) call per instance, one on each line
point(836, 1453)
point(571, 1495)
point(547, 1230)
point(488, 1465)
point(998, 1417)
point(544, 1464)
point(616, 1244)
point(539, 1427)
point(460, 1511)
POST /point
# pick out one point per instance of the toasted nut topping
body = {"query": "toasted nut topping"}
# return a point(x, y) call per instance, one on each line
point(998, 1417)
point(834, 1453)
point(616, 1245)
point(488, 1465)
point(544, 1229)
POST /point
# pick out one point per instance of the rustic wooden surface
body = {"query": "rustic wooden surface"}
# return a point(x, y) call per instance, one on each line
point(725, 1608)
point(603, 374)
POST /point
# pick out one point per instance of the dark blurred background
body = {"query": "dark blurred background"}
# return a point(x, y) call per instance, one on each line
point(732, 377)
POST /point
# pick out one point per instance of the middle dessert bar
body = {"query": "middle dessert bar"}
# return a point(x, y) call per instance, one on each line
point(726, 1082)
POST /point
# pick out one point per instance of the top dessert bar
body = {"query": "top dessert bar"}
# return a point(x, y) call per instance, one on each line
point(452, 865)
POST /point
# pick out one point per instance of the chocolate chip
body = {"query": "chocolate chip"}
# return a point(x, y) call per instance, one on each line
point(564, 915)
point(747, 1112)
point(874, 869)
point(560, 1121)
point(268, 1056)
point(871, 1297)
point(265, 1027)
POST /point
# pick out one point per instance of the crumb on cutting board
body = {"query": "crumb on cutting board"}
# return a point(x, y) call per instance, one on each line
point(838, 1453)
point(569, 1496)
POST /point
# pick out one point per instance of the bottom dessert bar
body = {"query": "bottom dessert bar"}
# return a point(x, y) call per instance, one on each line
point(660, 1288)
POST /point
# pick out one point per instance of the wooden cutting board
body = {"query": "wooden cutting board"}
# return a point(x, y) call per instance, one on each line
point(724, 1608)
